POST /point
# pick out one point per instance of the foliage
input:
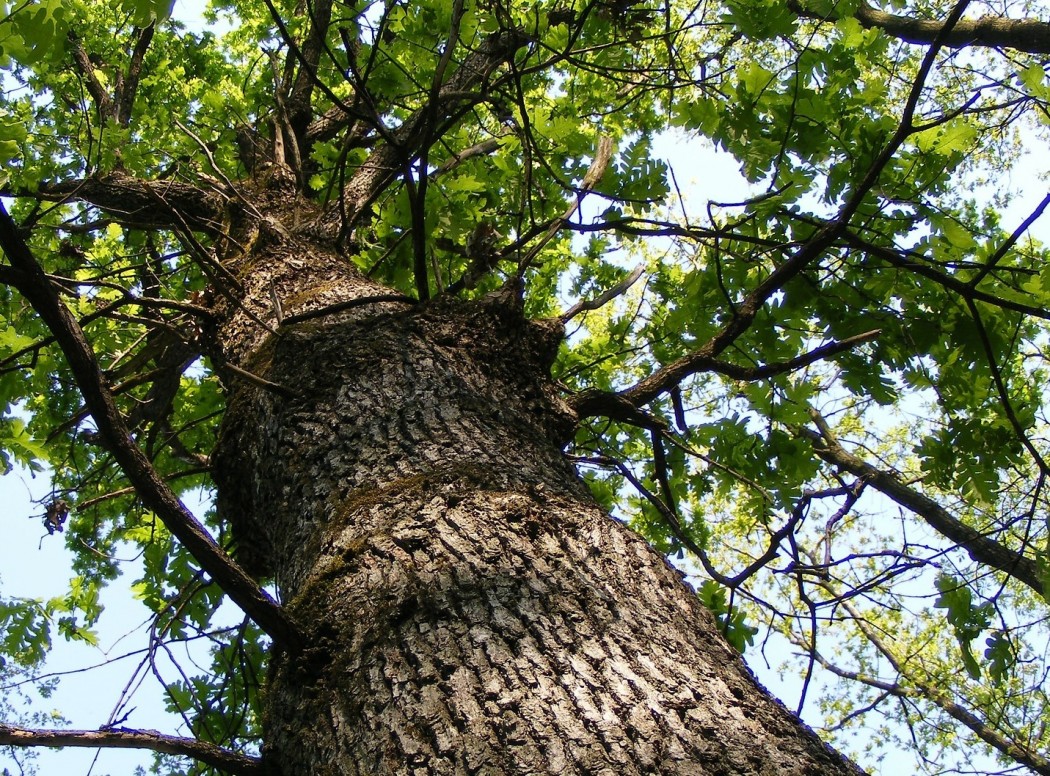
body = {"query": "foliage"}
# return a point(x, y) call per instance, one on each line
point(838, 378)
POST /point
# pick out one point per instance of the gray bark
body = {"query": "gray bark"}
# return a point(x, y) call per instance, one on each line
point(468, 607)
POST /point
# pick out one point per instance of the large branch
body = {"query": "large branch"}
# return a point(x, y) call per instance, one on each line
point(980, 547)
point(156, 495)
point(82, 61)
point(128, 90)
point(328, 125)
point(301, 91)
point(142, 204)
point(1029, 35)
point(125, 738)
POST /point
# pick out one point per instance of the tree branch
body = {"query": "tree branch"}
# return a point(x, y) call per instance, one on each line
point(103, 101)
point(605, 297)
point(744, 313)
point(154, 492)
point(939, 697)
point(483, 148)
point(301, 91)
point(600, 163)
point(980, 547)
point(966, 290)
point(126, 95)
point(1001, 391)
point(133, 202)
point(590, 403)
point(417, 191)
point(127, 738)
point(1028, 35)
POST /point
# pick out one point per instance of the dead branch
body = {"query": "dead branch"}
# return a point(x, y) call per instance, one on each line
point(604, 298)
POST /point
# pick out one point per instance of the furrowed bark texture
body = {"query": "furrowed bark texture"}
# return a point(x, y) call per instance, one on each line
point(468, 608)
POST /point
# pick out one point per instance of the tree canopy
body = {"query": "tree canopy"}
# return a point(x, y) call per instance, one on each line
point(824, 399)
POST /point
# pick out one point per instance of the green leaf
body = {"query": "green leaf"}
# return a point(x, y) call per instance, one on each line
point(733, 624)
point(25, 632)
point(957, 234)
point(1000, 655)
point(966, 619)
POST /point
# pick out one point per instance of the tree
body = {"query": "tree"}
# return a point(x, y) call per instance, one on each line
point(324, 263)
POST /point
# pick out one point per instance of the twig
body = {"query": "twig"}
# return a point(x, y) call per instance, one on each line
point(605, 297)
point(348, 304)
point(261, 382)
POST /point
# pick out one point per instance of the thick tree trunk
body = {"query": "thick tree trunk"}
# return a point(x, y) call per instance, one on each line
point(469, 608)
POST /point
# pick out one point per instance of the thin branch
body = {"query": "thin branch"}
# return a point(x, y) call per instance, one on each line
point(935, 694)
point(299, 95)
point(458, 157)
point(417, 191)
point(673, 524)
point(260, 382)
point(126, 96)
point(306, 67)
point(130, 490)
point(591, 402)
point(1003, 249)
point(228, 187)
point(744, 314)
point(128, 738)
point(390, 156)
point(604, 298)
point(602, 157)
point(894, 258)
point(348, 304)
point(103, 101)
point(980, 547)
point(1000, 388)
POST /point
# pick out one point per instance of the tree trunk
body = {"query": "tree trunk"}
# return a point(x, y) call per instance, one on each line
point(468, 607)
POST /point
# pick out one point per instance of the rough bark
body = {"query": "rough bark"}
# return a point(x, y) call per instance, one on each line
point(468, 607)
